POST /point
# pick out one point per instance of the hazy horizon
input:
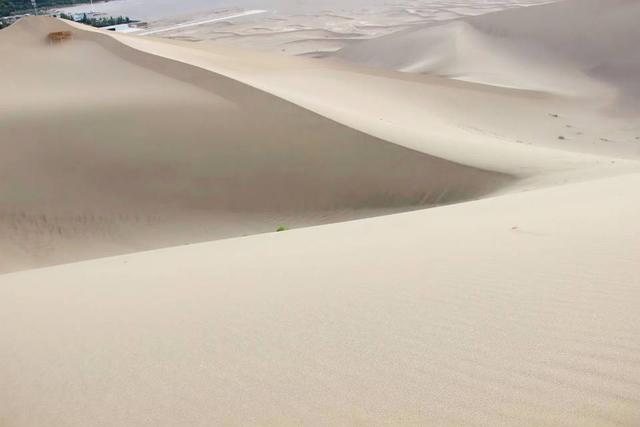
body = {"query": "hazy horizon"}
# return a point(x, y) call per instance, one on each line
point(164, 9)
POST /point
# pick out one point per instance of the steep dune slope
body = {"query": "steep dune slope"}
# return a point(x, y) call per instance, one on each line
point(583, 48)
point(107, 149)
point(454, 120)
point(479, 125)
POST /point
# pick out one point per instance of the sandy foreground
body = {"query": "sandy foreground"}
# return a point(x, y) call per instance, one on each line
point(507, 295)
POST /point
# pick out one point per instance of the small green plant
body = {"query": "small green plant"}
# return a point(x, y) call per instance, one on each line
point(281, 228)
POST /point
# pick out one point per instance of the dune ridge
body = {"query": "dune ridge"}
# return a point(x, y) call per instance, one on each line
point(557, 47)
point(514, 304)
point(213, 159)
point(522, 315)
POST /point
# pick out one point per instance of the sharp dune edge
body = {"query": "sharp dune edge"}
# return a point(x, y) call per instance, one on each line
point(574, 47)
point(515, 306)
point(113, 150)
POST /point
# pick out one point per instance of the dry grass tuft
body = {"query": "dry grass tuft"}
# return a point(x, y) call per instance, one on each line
point(59, 36)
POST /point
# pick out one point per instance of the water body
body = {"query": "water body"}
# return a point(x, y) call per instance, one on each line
point(150, 10)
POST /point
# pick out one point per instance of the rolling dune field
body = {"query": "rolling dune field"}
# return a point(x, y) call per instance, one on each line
point(459, 204)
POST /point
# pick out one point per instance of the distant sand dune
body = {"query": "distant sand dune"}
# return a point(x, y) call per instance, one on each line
point(557, 48)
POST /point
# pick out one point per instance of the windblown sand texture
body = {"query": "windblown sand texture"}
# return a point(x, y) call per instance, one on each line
point(482, 268)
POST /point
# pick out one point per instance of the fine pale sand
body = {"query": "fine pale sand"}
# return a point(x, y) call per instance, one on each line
point(518, 305)
point(109, 149)
point(568, 47)
point(517, 310)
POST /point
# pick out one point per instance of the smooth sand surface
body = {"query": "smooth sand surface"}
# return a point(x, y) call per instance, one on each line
point(517, 310)
point(515, 306)
point(571, 47)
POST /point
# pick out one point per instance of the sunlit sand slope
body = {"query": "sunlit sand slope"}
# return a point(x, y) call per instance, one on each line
point(517, 310)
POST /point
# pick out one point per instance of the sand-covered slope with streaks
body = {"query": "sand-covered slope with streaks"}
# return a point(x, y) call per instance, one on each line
point(108, 149)
point(516, 310)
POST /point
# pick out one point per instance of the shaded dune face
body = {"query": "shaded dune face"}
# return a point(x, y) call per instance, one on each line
point(107, 149)
point(555, 48)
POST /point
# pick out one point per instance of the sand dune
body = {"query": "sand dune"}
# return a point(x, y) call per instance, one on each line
point(559, 47)
point(517, 310)
point(515, 306)
point(100, 160)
